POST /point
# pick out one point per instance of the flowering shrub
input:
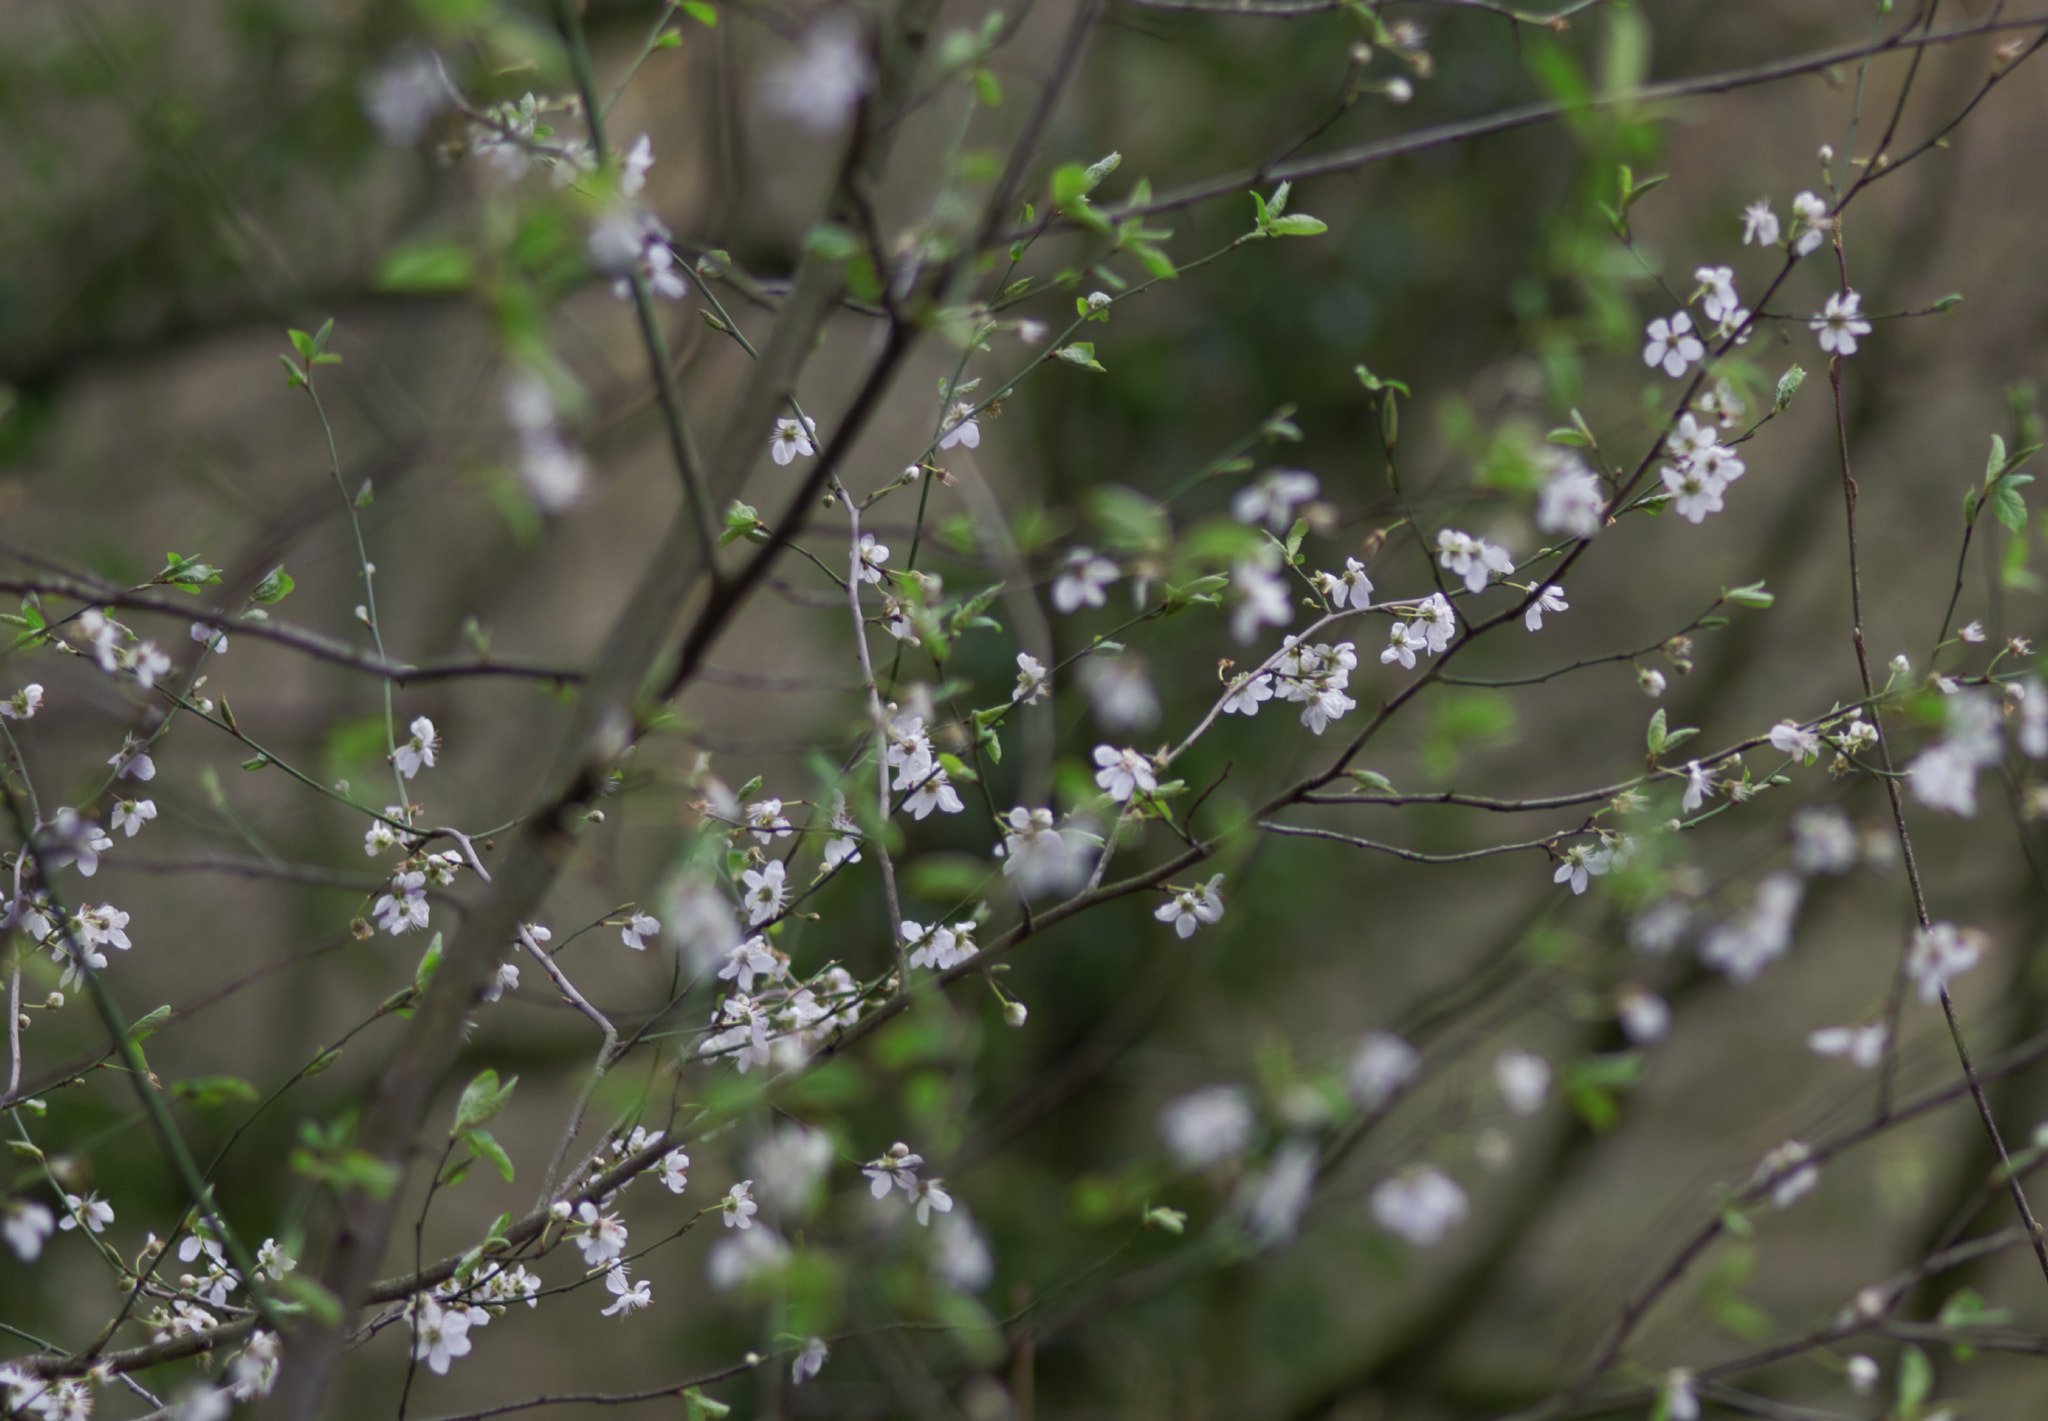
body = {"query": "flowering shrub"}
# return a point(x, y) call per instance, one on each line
point(784, 996)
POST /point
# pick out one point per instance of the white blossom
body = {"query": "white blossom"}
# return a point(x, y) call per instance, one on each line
point(935, 792)
point(1939, 953)
point(26, 1225)
point(1550, 599)
point(638, 929)
point(674, 1171)
point(1473, 559)
point(131, 814)
point(23, 704)
point(818, 86)
point(765, 892)
point(1811, 224)
point(1189, 908)
point(1694, 492)
point(1350, 587)
point(212, 638)
point(1672, 345)
point(418, 751)
point(1644, 1015)
point(1788, 1173)
point(1120, 692)
point(1759, 224)
point(895, 1168)
point(738, 1207)
point(1861, 1374)
point(90, 1212)
point(1823, 841)
point(961, 427)
point(790, 1163)
point(601, 1236)
point(1862, 1046)
point(1041, 859)
point(132, 760)
point(1583, 862)
point(792, 439)
point(1258, 596)
point(1680, 1402)
point(1746, 944)
point(1524, 1080)
point(809, 1361)
point(1247, 691)
point(1839, 324)
point(628, 1296)
point(1381, 1066)
point(960, 1255)
point(1033, 683)
point(1123, 774)
point(1080, 580)
point(1207, 1126)
point(749, 959)
point(745, 1258)
point(1572, 502)
point(439, 1335)
point(1699, 783)
point(1790, 738)
point(1718, 283)
point(402, 95)
point(1272, 497)
point(1421, 1204)
point(1274, 1200)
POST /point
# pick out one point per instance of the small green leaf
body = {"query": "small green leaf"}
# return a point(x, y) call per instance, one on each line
point(1788, 386)
point(2008, 504)
point(1655, 737)
point(702, 13)
point(276, 585)
point(1752, 595)
point(425, 267)
point(1995, 465)
point(484, 1146)
point(1372, 779)
point(1916, 1381)
point(1949, 302)
point(481, 1101)
point(145, 1026)
point(1081, 353)
point(670, 39)
point(1298, 224)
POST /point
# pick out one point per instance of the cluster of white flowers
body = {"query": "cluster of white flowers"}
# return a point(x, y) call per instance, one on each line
point(938, 947)
point(117, 649)
point(1475, 560)
point(1039, 858)
point(1431, 631)
point(1572, 501)
point(1746, 944)
point(1701, 470)
point(1207, 1126)
point(1314, 677)
point(1939, 952)
point(782, 1024)
point(1944, 776)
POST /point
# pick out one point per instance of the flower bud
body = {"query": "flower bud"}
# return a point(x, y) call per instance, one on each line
point(1652, 682)
point(54, 1000)
point(559, 1209)
point(1015, 1013)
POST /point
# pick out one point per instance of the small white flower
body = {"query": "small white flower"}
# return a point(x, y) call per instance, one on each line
point(505, 979)
point(1258, 596)
point(1272, 497)
point(738, 1205)
point(1939, 953)
point(1421, 1204)
point(1719, 284)
point(1973, 632)
point(638, 929)
point(1191, 907)
point(792, 439)
point(1699, 783)
point(23, 704)
point(1435, 623)
point(90, 1212)
point(1694, 492)
point(765, 892)
point(1788, 1172)
point(212, 638)
point(602, 1237)
point(1582, 862)
point(1862, 1046)
point(745, 960)
point(630, 1297)
point(674, 1171)
point(819, 86)
point(1550, 599)
point(131, 814)
point(895, 1168)
point(1759, 224)
point(1839, 324)
point(633, 170)
point(1123, 774)
point(418, 751)
point(1080, 580)
point(1644, 1015)
point(931, 1197)
point(1811, 222)
point(1572, 501)
point(1862, 1374)
point(1823, 841)
point(1207, 1126)
point(1248, 691)
point(961, 427)
point(936, 792)
point(1402, 644)
point(764, 817)
point(26, 1224)
point(868, 566)
point(1672, 345)
point(1473, 559)
point(1381, 1066)
point(440, 1335)
point(1275, 1199)
point(1524, 1080)
point(1789, 738)
point(1350, 587)
point(1680, 1404)
point(809, 1362)
point(132, 760)
point(1033, 684)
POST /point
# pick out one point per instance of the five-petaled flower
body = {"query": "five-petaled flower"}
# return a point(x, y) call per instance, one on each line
point(1672, 345)
point(417, 751)
point(792, 438)
point(1189, 908)
point(1839, 323)
point(1124, 774)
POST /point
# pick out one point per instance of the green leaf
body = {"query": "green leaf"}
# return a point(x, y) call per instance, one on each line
point(1788, 386)
point(704, 1408)
point(1372, 779)
point(276, 585)
point(702, 13)
point(988, 88)
point(427, 266)
point(1916, 1381)
point(207, 1091)
point(1949, 302)
point(482, 1099)
point(1377, 383)
point(145, 1026)
point(1100, 169)
point(672, 39)
point(1081, 353)
point(1752, 595)
point(1298, 224)
point(2008, 503)
point(483, 1146)
point(429, 961)
point(1655, 737)
point(1995, 465)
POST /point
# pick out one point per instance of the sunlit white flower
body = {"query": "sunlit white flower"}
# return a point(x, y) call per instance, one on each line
point(601, 1237)
point(961, 427)
point(936, 792)
point(1258, 596)
point(1582, 862)
point(1042, 859)
point(894, 1168)
point(749, 959)
point(1435, 622)
point(1249, 691)
point(132, 760)
point(638, 929)
point(1788, 737)
point(1694, 492)
point(1350, 587)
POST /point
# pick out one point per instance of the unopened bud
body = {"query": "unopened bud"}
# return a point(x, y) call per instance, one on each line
point(54, 1000)
point(559, 1209)
point(1015, 1013)
point(1398, 90)
point(1652, 682)
point(1097, 300)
